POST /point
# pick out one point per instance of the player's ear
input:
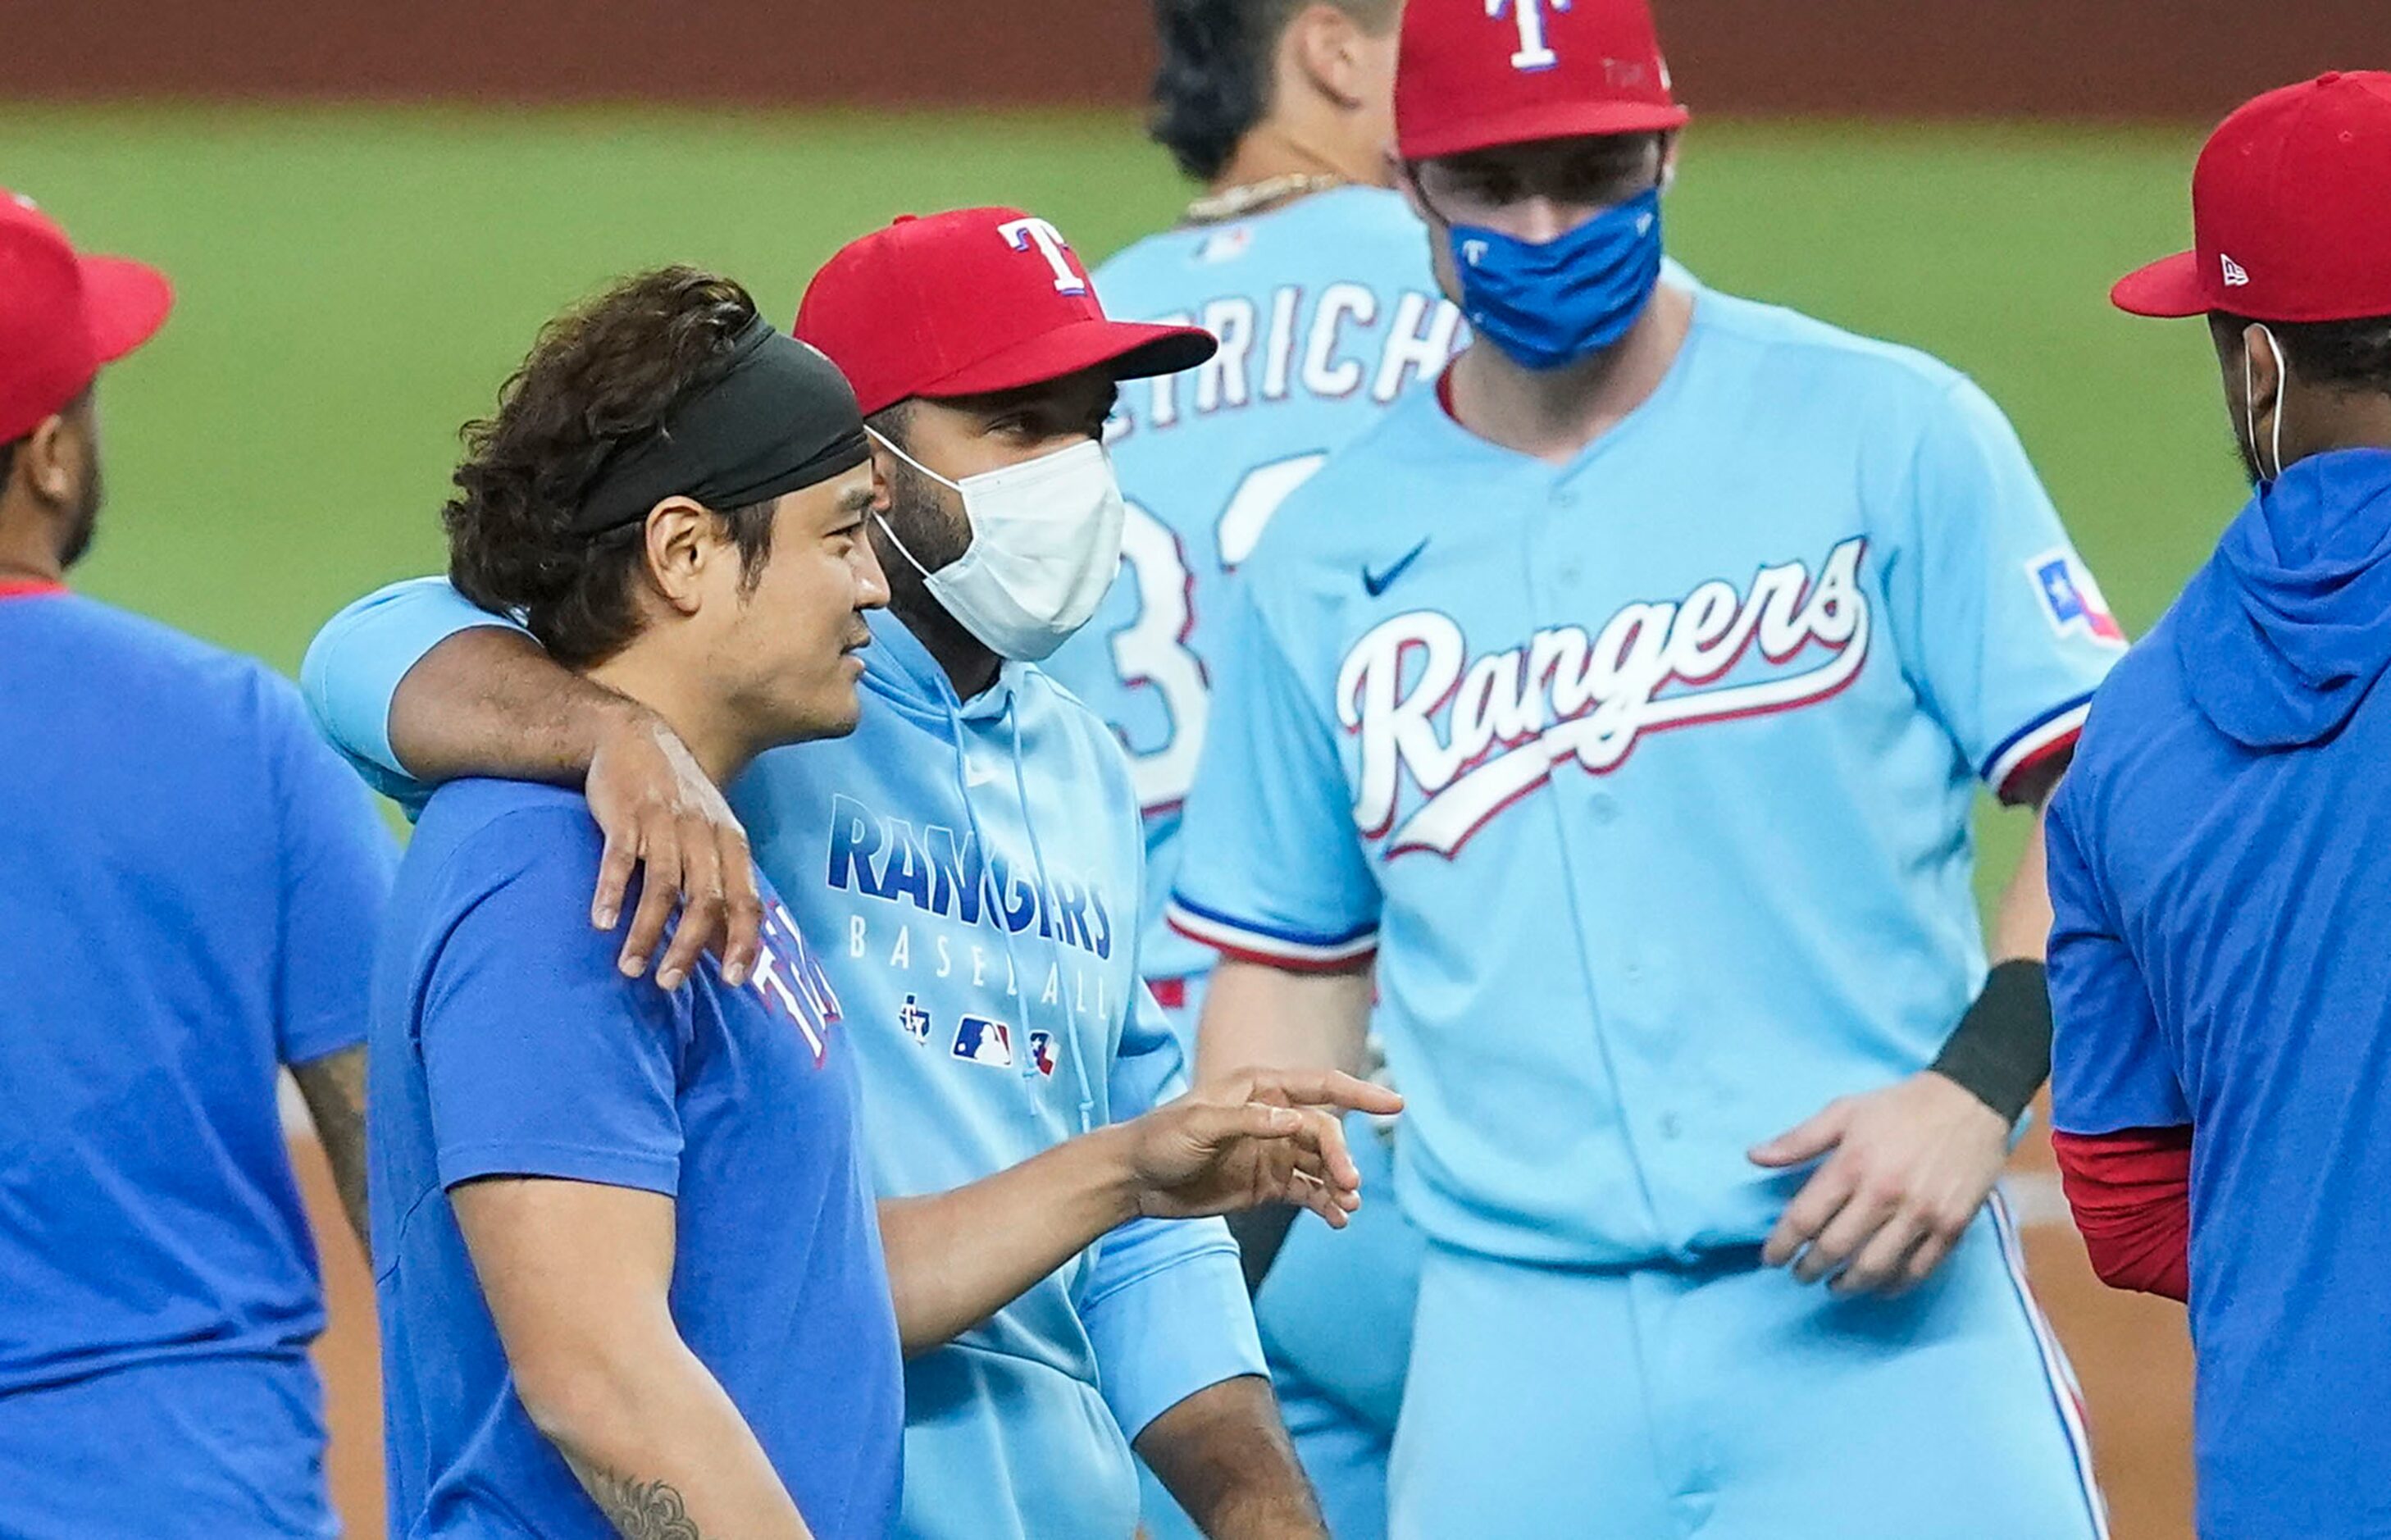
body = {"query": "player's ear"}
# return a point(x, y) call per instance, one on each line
point(2265, 373)
point(681, 541)
point(1668, 141)
point(52, 455)
point(1325, 45)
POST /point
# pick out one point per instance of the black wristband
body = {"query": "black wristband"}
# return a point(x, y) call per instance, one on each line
point(2001, 1048)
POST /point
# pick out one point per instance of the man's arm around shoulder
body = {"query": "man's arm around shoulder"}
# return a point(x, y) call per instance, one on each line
point(424, 688)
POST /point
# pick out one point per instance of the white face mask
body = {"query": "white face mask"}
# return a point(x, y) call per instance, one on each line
point(1045, 546)
point(2249, 413)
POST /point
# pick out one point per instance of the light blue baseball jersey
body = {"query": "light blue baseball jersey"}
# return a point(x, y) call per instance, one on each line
point(1647, 777)
point(968, 871)
point(1326, 313)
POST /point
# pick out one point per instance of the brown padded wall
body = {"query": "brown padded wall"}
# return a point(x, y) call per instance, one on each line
point(2102, 59)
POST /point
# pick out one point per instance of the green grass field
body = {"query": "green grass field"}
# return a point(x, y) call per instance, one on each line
point(355, 282)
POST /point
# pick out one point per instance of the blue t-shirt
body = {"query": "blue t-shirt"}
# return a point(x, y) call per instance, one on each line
point(507, 1042)
point(189, 888)
point(971, 867)
point(1648, 776)
point(2221, 960)
point(192, 884)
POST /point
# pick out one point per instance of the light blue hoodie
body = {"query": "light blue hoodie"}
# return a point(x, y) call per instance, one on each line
point(970, 871)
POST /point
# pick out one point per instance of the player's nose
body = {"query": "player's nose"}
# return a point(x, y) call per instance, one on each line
point(1539, 219)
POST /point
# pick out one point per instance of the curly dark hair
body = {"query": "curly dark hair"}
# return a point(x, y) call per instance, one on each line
point(605, 373)
point(1214, 81)
point(2350, 356)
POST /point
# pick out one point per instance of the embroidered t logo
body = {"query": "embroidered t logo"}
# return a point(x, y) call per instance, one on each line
point(1534, 53)
point(1024, 235)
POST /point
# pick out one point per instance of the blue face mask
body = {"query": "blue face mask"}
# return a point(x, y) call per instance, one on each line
point(1547, 305)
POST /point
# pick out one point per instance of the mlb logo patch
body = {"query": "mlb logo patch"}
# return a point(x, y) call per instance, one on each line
point(982, 1041)
point(1226, 245)
point(2071, 600)
point(1042, 1052)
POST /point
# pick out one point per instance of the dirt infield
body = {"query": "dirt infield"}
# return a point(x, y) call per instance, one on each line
point(2103, 58)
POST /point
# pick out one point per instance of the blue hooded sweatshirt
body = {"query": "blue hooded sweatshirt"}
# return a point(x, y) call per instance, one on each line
point(2220, 865)
point(970, 874)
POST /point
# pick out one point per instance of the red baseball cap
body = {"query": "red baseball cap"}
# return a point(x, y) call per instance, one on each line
point(2290, 212)
point(971, 301)
point(1474, 73)
point(63, 314)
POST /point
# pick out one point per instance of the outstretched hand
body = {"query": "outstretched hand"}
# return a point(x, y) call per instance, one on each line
point(1905, 1170)
point(662, 815)
point(1257, 1137)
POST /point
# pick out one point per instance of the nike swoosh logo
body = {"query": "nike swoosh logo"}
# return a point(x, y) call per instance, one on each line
point(976, 776)
point(1376, 583)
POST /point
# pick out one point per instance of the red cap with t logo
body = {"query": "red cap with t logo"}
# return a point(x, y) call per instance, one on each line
point(972, 300)
point(1475, 73)
point(2290, 212)
point(63, 314)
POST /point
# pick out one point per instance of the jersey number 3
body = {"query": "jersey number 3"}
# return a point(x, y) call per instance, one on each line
point(1158, 649)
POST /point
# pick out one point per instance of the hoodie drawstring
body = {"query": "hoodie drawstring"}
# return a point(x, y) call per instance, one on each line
point(1053, 947)
point(1024, 1056)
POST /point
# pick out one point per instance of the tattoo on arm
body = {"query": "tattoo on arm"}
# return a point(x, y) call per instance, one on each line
point(641, 1510)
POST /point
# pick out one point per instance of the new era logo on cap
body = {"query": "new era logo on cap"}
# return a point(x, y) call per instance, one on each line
point(2291, 211)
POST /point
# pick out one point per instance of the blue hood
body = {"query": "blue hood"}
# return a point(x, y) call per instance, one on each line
point(2289, 625)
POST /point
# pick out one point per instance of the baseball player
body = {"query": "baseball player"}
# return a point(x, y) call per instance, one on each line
point(1314, 275)
point(2220, 968)
point(1302, 258)
point(631, 1272)
point(1615, 709)
point(189, 888)
point(969, 862)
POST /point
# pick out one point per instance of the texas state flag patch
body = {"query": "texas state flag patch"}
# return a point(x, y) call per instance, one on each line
point(2071, 600)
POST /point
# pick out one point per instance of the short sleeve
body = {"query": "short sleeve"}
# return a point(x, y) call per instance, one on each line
point(337, 863)
point(1272, 868)
point(2110, 1067)
point(353, 667)
point(2005, 629)
point(539, 1057)
point(1165, 1304)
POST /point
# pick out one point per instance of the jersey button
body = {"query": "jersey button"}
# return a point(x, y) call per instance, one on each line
point(1601, 808)
point(1670, 1125)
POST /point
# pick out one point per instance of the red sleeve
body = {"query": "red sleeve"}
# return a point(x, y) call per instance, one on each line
point(2131, 1192)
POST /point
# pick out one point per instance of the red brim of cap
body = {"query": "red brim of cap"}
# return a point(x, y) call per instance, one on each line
point(1577, 120)
point(1132, 349)
point(2169, 289)
point(127, 302)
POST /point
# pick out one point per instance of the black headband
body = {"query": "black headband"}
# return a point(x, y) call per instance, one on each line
point(781, 420)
